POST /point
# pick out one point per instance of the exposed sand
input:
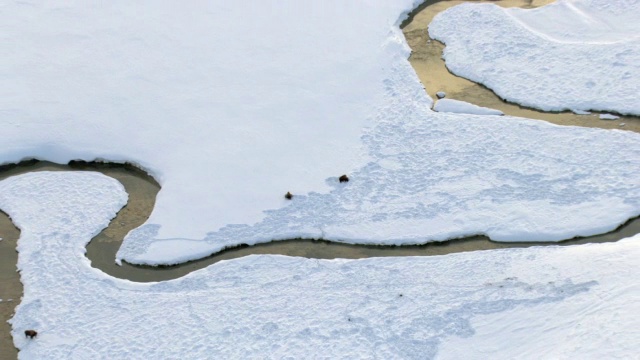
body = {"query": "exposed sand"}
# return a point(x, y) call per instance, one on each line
point(10, 285)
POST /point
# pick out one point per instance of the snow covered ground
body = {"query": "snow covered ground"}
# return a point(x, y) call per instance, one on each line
point(569, 55)
point(231, 106)
point(228, 105)
point(463, 107)
point(436, 179)
point(551, 302)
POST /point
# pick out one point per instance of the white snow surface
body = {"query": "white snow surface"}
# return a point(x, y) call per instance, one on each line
point(513, 180)
point(550, 302)
point(608, 117)
point(581, 112)
point(230, 106)
point(568, 55)
point(463, 107)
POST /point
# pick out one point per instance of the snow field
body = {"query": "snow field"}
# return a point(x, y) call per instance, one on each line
point(438, 176)
point(228, 106)
point(273, 306)
point(230, 117)
point(570, 55)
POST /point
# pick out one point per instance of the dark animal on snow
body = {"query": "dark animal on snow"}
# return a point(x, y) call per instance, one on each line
point(288, 196)
point(30, 333)
point(343, 178)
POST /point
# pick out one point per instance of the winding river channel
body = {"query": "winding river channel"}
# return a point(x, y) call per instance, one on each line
point(142, 189)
